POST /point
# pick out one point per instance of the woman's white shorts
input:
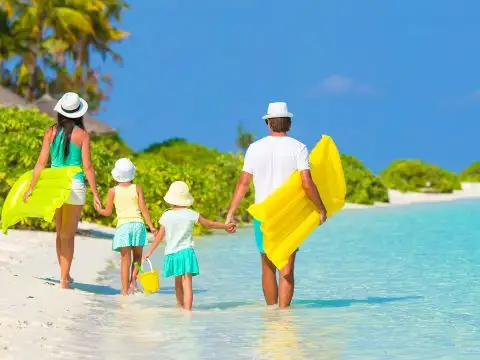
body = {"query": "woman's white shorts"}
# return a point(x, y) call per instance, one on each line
point(78, 193)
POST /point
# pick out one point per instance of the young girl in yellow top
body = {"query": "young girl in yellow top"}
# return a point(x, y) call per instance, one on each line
point(131, 234)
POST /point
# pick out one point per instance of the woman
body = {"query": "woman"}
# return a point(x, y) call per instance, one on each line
point(68, 144)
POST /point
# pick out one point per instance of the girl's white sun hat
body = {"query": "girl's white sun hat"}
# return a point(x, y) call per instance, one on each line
point(179, 194)
point(71, 105)
point(124, 170)
point(277, 110)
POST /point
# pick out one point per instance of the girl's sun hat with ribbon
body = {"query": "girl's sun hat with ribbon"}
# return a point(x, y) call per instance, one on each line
point(71, 105)
point(179, 194)
point(124, 170)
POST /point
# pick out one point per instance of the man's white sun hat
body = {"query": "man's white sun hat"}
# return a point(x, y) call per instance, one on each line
point(179, 194)
point(71, 105)
point(124, 170)
point(277, 110)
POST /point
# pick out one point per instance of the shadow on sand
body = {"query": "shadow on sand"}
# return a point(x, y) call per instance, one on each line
point(350, 302)
point(314, 303)
point(89, 288)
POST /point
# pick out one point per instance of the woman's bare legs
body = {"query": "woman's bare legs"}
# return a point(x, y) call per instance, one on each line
point(137, 258)
point(269, 281)
point(58, 228)
point(187, 291)
point(126, 263)
point(179, 291)
point(70, 218)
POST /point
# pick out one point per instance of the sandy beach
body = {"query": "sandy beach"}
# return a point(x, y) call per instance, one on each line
point(35, 314)
point(397, 198)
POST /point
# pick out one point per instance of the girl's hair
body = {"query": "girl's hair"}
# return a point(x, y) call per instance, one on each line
point(67, 125)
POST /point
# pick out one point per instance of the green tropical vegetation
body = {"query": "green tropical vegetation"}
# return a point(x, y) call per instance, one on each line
point(363, 187)
point(419, 176)
point(49, 45)
point(471, 173)
point(212, 175)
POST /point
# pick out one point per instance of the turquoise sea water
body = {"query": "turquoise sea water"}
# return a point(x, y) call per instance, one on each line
point(390, 283)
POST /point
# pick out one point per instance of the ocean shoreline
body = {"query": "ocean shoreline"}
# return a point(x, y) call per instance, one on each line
point(397, 198)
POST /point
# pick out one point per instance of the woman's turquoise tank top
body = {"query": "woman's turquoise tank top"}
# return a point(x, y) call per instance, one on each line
point(74, 157)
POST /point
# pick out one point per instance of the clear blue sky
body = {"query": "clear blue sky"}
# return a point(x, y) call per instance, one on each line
point(385, 79)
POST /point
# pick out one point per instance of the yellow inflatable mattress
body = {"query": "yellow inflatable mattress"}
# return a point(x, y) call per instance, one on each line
point(288, 216)
point(50, 192)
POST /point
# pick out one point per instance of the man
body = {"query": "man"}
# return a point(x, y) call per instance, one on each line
point(269, 162)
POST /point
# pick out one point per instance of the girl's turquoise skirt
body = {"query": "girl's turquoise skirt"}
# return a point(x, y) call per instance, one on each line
point(129, 234)
point(180, 263)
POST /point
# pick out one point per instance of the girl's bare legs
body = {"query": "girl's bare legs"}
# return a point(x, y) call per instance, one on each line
point(137, 257)
point(187, 291)
point(126, 262)
point(58, 227)
point(179, 291)
point(70, 218)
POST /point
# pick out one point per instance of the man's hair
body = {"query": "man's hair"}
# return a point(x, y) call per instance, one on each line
point(280, 124)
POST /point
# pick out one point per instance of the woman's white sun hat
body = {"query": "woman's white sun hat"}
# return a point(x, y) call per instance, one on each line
point(277, 110)
point(124, 170)
point(179, 194)
point(71, 105)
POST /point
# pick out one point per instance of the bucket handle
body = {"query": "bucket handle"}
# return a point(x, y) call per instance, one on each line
point(149, 263)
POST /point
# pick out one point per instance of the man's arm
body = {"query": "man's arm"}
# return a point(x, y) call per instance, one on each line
point(312, 192)
point(241, 189)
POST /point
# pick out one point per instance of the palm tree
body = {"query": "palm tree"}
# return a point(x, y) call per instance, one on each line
point(244, 138)
point(52, 24)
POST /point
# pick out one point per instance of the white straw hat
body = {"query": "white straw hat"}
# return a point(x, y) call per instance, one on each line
point(124, 170)
point(277, 110)
point(71, 105)
point(179, 194)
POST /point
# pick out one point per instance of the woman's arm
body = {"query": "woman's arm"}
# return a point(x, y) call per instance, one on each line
point(158, 239)
point(109, 208)
point(89, 170)
point(209, 224)
point(41, 162)
point(143, 208)
point(242, 188)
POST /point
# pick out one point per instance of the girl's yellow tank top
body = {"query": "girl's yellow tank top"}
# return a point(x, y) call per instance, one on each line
point(126, 205)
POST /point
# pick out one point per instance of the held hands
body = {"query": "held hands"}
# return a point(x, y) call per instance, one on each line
point(97, 203)
point(231, 227)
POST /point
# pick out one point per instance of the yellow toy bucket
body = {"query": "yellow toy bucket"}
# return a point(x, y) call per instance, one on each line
point(149, 280)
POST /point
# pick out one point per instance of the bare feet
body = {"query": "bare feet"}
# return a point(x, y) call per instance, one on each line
point(65, 284)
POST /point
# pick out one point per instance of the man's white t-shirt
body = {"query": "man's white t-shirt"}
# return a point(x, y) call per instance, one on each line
point(272, 160)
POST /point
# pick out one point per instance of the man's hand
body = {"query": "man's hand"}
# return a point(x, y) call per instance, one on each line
point(323, 216)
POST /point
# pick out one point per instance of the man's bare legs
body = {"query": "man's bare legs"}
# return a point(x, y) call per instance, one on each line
point(287, 283)
point(269, 281)
point(278, 294)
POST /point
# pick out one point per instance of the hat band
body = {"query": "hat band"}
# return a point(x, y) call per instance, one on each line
point(71, 111)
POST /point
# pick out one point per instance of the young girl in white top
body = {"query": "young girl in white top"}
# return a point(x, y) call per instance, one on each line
point(176, 226)
point(131, 234)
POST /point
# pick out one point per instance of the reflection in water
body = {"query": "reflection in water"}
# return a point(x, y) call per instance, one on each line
point(281, 338)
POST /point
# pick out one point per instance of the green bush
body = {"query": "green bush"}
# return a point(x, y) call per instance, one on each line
point(471, 173)
point(418, 176)
point(363, 187)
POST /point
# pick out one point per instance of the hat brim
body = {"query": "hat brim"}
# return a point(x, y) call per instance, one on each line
point(79, 113)
point(273, 116)
point(177, 201)
point(122, 178)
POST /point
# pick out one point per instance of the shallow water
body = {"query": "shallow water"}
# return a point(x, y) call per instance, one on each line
point(392, 283)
